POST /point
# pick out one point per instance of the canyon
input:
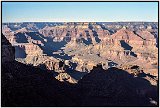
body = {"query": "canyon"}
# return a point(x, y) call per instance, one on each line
point(79, 46)
point(80, 64)
point(26, 85)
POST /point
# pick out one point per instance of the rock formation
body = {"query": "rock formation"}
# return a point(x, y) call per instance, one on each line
point(115, 87)
point(85, 44)
point(24, 85)
point(8, 51)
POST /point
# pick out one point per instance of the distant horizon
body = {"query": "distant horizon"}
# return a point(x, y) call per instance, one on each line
point(79, 12)
point(77, 21)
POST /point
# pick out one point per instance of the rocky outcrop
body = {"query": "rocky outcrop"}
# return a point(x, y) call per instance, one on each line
point(138, 71)
point(65, 77)
point(32, 49)
point(128, 36)
point(45, 62)
point(115, 87)
point(24, 85)
point(22, 30)
point(150, 40)
point(9, 35)
point(27, 51)
point(53, 31)
point(8, 51)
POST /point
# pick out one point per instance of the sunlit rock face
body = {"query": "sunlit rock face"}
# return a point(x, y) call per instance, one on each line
point(84, 45)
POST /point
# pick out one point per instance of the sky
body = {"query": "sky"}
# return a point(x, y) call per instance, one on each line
point(79, 11)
